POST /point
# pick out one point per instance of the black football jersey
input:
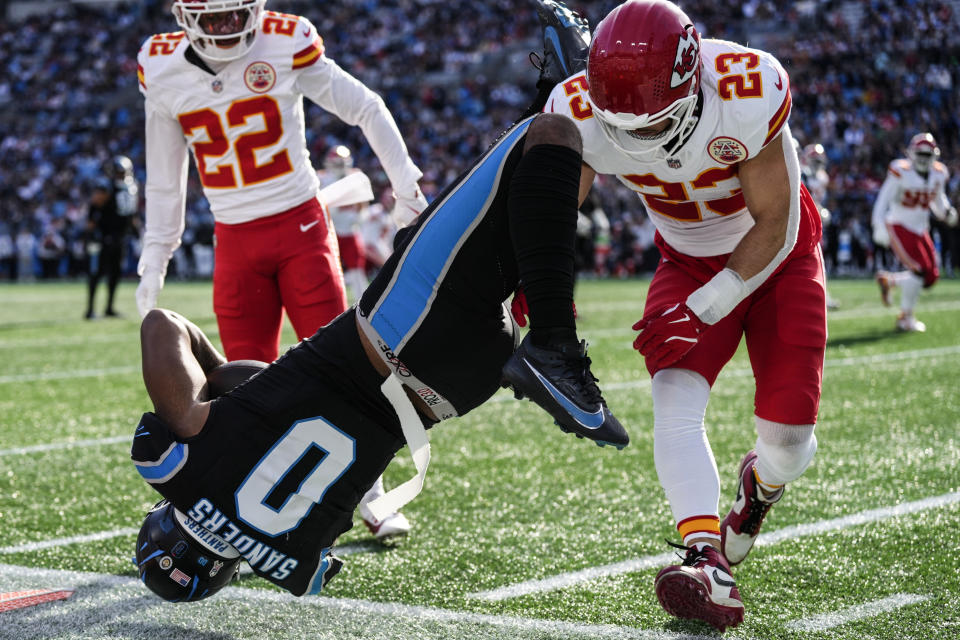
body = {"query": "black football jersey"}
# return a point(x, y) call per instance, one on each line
point(435, 310)
point(283, 459)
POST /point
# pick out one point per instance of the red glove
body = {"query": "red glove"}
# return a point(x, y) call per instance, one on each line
point(519, 308)
point(668, 337)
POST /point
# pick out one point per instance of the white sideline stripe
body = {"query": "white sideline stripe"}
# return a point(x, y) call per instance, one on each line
point(857, 612)
point(62, 542)
point(345, 550)
point(69, 375)
point(787, 533)
point(351, 605)
point(853, 361)
point(504, 397)
point(842, 362)
point(66, 341)
point(853, 312)
point(53, 446)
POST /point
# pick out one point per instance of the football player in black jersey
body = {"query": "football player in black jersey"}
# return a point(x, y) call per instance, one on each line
point(272, 470)
point(110, 220)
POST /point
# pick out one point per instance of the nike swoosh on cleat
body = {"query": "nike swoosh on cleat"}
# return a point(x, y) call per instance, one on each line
point(307, 227)
point(722, 581)
point(587, 419)
point(551, 34)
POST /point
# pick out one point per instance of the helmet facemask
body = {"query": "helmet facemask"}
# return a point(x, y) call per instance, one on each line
point(643, 77)
point(220, 30)
point(624, 130)
point(923, 150)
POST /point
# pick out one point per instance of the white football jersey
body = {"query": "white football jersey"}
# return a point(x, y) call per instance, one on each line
point(348, 220)
point(244, 125)
point(906, 198)
point(816, 182)
point(694, 197)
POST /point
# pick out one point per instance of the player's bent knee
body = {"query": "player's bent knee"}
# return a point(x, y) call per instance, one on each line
point(784, 450)
point(553, 128)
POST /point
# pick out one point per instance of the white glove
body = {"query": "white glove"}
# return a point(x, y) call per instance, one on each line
point(408, 207)
point(148, 290)
point(951, 217)
point(881, 237)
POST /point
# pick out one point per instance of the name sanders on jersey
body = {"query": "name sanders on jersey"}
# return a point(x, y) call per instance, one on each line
point(216, 530)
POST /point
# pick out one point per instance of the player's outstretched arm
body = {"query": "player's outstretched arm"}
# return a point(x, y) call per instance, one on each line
point(176, 358)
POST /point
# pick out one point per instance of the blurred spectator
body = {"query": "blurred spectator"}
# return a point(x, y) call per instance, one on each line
point(864, 75)
point(50, 252)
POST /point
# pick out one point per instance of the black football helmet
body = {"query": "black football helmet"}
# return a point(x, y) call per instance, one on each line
point(119, 168)
point(176, 563)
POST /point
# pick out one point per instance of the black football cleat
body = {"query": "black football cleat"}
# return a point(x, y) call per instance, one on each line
point(566, 42)
point(560, 382)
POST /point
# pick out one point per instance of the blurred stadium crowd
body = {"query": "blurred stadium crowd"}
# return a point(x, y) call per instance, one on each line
point(865, 77)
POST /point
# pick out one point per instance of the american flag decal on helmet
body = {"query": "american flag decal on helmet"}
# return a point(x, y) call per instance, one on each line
point(180, 577)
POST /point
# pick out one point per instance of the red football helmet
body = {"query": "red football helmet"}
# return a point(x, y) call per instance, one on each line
point(922, 151)
point(644, 72)
point(219, 30)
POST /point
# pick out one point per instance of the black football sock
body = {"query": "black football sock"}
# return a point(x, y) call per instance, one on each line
point(543, 226)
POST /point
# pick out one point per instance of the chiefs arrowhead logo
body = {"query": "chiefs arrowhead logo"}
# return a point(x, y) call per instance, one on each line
point(687, 60)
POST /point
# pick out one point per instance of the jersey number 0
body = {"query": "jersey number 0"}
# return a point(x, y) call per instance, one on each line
point(294, 476)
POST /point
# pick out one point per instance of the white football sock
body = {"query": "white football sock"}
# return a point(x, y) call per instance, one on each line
point(682, 455)
point(910, 291)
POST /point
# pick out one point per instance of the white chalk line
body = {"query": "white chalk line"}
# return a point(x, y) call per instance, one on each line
point(29, 547)
point(853, 361)
point(830, 363)
point(825, 621)
point(574, 578)
point(351, 605)
point(70, 444)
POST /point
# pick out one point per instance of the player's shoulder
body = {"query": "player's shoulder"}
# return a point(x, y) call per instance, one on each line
point(898, 167)
point(158, 54)
point(940, 168)
point(569, 97)
point(752, 90)
point(294, 35)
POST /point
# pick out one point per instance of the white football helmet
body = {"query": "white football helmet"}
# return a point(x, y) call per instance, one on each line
point(923, 150)
point(219, 30)
point(338, 161)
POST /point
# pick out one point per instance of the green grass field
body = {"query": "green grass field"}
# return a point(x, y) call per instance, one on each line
point(521, 531)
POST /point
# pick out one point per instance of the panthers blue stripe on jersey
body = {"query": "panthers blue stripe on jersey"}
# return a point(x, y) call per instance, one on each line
point(426, 259)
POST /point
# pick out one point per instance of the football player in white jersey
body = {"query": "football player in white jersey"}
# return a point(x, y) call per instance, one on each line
point(813, 173)
point(229, 88)
point(348, 220)
point(699, 130)
point(914, 187)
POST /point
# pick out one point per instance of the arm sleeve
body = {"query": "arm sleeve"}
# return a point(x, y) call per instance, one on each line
point(338, 92)
point(882, 203)
point(166, 189)
point(940, 205)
